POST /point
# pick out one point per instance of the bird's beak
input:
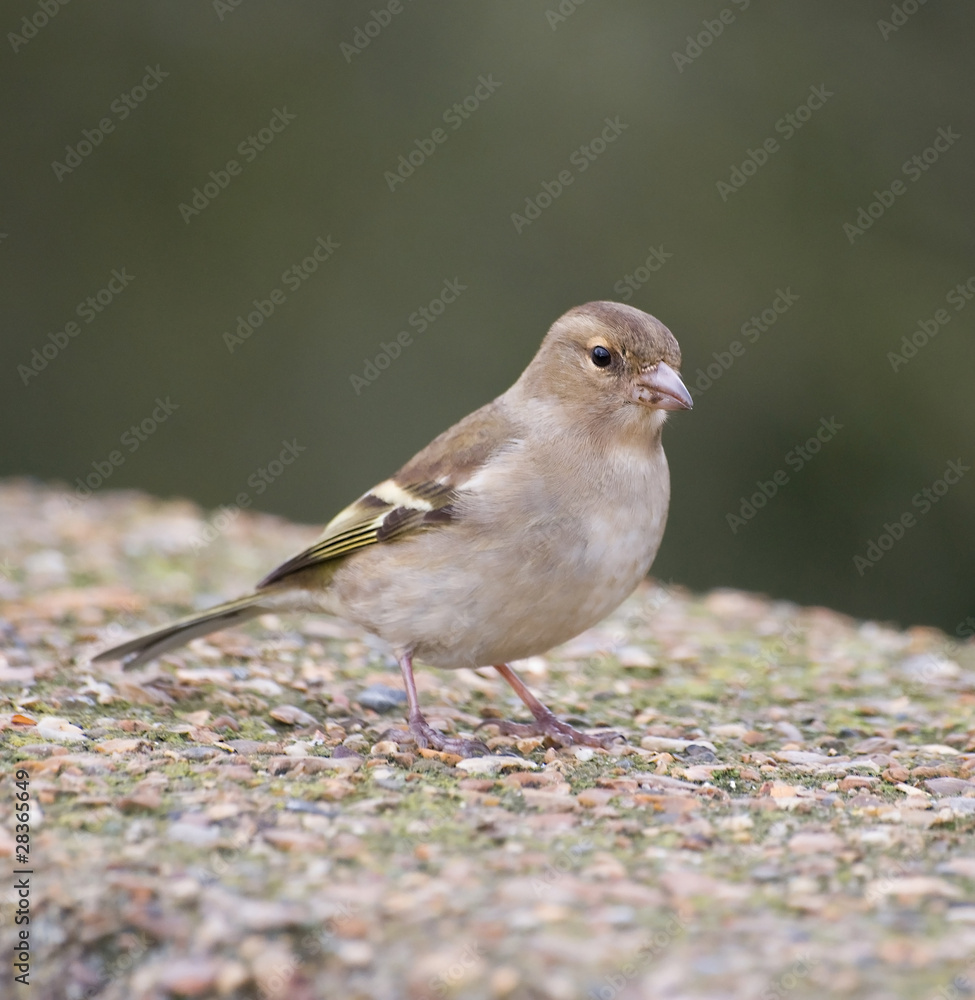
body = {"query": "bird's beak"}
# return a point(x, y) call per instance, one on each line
point(660, 388)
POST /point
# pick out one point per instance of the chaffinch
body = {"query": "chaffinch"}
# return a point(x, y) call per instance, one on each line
point(521, 526)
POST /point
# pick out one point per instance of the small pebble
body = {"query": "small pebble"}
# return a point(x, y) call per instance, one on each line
point(291, 715)
point(381, 698)
point(491, 765)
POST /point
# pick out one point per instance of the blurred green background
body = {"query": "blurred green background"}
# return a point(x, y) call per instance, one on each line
point(695, 90)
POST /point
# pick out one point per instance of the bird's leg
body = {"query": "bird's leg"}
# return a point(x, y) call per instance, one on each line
point(422, 732)
point(546, 724)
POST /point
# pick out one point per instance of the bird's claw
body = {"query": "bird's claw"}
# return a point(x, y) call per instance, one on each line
point(560, 733)
point(426, 737)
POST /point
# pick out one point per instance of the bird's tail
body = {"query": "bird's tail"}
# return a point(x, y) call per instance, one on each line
point(148, 647)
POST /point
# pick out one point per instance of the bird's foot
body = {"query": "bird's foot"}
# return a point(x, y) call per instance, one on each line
point(425, 736)
point(560, 733)
point(420, 731)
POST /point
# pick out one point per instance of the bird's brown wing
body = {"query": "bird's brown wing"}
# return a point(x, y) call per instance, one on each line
point(420, 495)
point(382, 514)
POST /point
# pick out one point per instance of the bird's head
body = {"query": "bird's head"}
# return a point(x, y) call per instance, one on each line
point(615, 365)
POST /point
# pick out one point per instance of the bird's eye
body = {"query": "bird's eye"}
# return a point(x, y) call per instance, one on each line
point(600, 356)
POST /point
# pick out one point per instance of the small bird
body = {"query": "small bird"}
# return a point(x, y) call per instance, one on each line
point(521, 526)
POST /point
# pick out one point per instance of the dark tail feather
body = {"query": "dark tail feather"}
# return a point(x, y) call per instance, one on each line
point(148, 647)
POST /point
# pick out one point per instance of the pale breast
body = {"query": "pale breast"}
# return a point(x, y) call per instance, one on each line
point(531, 560)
